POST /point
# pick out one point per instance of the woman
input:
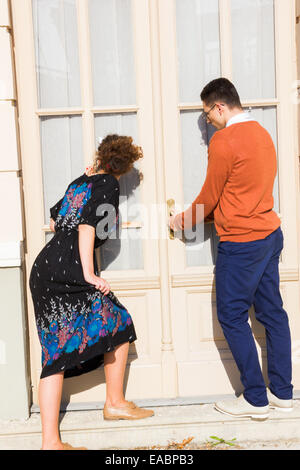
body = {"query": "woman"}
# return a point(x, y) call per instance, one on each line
point(80, 322)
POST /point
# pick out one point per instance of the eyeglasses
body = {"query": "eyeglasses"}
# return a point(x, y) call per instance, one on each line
point(205, 114)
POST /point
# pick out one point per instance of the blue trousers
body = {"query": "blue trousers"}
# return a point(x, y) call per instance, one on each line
point(247, 274)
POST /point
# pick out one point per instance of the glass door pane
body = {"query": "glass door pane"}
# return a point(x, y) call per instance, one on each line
point(113, 73)
point(62, 156)
point(196, 135)
point(56, 48)
point(112, 52)
point(199, 61)
point(125, 252)
point(198, 46)
point(253, 47)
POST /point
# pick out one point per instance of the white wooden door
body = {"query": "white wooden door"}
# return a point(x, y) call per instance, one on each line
point(252, 44)
point(84, 71)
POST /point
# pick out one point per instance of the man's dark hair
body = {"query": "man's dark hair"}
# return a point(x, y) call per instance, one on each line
point(222, 90)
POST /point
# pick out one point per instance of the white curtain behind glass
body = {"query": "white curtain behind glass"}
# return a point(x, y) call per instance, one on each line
point(62, 156)
point(112, 52)
point(56, 45)
point(198, 46)
point(113, 72)
point(253, 48)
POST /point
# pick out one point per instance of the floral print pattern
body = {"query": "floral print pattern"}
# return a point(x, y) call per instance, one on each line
point(75, 327)
point(72, 205)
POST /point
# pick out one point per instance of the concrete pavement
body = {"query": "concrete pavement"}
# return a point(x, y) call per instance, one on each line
point(170, 423)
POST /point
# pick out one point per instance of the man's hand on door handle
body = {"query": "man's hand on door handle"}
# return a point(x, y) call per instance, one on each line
point(175, 222)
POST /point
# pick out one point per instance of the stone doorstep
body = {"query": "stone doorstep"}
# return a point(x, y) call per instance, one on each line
point(170, 423)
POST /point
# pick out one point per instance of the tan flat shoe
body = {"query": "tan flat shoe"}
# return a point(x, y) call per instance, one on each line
point(131, 404)
point(130, 411)
point(68, 446)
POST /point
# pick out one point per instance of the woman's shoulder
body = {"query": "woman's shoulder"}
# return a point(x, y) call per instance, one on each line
point(104, 187)
point(104, 182)
point(98, 182)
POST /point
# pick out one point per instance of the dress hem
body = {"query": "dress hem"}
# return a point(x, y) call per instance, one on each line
point(74, 364)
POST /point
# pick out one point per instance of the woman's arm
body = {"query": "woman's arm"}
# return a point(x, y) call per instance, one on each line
point(86, 238)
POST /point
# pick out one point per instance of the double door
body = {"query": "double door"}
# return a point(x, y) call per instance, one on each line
point(87, 68)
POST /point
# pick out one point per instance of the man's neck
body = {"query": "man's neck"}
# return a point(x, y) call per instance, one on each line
point(233, 112)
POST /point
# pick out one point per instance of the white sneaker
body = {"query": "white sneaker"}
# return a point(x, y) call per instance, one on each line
point(240, 408)
point(279, 404)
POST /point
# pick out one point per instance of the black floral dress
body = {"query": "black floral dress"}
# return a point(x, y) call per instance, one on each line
point(76, 323)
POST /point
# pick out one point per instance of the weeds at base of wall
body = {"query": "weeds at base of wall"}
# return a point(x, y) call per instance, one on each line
point(217, 443)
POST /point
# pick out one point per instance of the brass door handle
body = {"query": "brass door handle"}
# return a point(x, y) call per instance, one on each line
point(171, 208)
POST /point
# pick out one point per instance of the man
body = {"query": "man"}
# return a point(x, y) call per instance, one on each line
point(238, 192)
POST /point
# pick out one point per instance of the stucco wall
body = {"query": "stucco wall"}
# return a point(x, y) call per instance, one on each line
point(14, 377)
point(298, 52)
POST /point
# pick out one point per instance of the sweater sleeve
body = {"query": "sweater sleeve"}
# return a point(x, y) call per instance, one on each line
point(218, 171)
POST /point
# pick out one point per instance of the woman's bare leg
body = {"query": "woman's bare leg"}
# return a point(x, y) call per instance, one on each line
point(50, 391)
point(114, 368)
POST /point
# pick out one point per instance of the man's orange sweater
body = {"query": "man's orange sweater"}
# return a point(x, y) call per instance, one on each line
point(238, 189)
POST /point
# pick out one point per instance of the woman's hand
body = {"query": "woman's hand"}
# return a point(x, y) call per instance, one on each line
point(89, 170)
point(52, 225)
point(99, 283)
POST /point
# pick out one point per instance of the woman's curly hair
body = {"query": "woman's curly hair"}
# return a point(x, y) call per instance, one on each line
point(116, 155)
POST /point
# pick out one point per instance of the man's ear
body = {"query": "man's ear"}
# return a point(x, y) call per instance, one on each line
point(220, 107)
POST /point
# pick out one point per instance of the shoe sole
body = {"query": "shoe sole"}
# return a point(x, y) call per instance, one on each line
point(254, 417)
point(280, 408)
point(116, 418)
